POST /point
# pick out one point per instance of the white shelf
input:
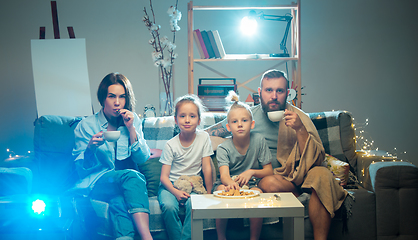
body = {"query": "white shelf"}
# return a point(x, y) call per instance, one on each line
point(294, 52)
point(234, 8)
point(246, 57)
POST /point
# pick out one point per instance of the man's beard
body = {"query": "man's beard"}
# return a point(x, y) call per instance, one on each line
point(266, 108)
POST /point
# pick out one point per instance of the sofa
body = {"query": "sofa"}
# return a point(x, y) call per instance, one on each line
point(383, 191)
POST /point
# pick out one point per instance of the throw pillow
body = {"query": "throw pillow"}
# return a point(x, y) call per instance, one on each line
point(339, 168)
point(152, 171)
point(215, 141)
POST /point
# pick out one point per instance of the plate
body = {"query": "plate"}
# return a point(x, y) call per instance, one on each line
point(255, 193)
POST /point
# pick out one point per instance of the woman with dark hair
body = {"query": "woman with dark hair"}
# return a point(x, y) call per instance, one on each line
point(116, 78)
point(108, 172)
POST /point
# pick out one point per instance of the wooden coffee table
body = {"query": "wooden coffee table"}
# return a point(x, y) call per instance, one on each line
point(208, 206)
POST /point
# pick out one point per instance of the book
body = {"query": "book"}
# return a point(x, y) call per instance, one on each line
point(199, 47)
point(213, 44)
point(219, 44)
point(202, 43)
point(207, 44)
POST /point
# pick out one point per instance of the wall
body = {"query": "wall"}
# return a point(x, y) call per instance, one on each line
point(357, 55)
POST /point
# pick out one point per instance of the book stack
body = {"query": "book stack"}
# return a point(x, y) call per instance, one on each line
point(209, 44)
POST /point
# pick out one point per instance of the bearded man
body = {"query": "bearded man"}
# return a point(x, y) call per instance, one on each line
point(299, 152)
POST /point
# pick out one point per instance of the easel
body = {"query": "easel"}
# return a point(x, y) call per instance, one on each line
point(55, 24)
point(59, 65)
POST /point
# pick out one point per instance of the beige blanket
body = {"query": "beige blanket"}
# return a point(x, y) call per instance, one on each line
point(303, 168)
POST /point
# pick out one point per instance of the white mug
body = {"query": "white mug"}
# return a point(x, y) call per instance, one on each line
point(111, 136)
point(275, 116)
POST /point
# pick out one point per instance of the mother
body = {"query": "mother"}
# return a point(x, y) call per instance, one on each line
point(107, 173)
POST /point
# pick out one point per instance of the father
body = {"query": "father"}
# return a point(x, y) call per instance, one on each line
point(299, 151)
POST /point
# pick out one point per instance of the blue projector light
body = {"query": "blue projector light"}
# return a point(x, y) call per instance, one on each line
point(38, 206)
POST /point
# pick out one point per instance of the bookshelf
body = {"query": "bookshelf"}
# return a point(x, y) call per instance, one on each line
point(294, 59)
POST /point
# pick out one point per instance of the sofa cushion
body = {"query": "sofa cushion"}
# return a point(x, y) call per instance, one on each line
point(338, 168)
point(15, 181)
point(53, 145)
point(210, 118)
point(158, 130)
point(337, 134)
point(152, 171)
point(396, 188)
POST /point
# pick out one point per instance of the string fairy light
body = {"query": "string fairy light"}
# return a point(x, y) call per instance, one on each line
point(363, 139)
point(365, 142)
point(13, 155)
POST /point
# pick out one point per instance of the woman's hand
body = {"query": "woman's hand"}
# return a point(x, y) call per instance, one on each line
point(127, 117)
point(96, 141)
point(128, 120)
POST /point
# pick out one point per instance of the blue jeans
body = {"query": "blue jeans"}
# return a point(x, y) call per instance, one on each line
point(126, 193)
point(170, 208)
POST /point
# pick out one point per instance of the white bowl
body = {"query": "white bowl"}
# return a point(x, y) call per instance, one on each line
point(111, 136)
point(275, 116)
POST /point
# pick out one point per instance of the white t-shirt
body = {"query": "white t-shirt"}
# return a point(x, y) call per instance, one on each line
point(186, 160)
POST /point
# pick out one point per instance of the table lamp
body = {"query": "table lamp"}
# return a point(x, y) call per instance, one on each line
point(249, 25)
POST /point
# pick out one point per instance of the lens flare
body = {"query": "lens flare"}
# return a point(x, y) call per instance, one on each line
point(38, 206)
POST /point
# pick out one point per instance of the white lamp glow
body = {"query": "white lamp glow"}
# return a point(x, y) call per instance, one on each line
point(248, 25)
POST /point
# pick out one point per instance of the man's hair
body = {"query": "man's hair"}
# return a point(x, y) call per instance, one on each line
point(190, 98)
point(274, 73)
point(117, 78)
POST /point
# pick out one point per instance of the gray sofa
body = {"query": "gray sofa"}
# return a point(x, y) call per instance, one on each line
point(386, 209)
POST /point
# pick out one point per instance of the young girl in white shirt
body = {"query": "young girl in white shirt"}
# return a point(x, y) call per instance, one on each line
point(188, 153)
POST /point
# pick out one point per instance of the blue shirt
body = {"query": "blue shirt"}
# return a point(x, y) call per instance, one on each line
point(91, 165)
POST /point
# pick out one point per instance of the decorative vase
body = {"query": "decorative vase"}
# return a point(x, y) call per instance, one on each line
point(166, 92)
